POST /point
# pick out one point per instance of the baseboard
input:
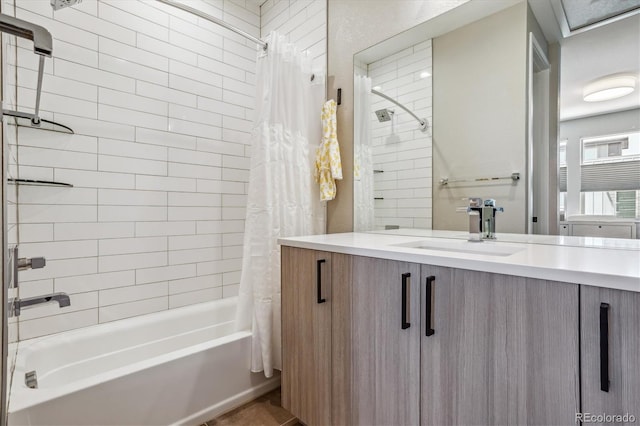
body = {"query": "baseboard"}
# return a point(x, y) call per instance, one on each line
point(231, 403)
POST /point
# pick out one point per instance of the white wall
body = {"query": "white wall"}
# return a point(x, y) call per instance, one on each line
point(400, 149)
point(479, 128)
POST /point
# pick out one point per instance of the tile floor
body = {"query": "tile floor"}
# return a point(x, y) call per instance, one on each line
point(263, 411)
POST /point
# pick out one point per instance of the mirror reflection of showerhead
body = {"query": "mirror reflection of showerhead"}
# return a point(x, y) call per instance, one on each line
point(424, 124)
point(384, 114)
point(59, 4)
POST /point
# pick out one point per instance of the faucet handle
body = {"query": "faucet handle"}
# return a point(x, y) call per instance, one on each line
point(475, 202)
point(38, 262)
point(31, 263)
point(490, 202)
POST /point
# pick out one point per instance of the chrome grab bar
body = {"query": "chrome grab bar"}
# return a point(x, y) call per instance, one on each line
point(515, 176)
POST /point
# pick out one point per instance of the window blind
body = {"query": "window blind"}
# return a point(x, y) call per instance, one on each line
point(618, 176)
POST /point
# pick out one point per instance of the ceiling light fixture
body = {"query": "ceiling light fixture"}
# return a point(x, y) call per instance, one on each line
point(425, 74)
point(609, 87)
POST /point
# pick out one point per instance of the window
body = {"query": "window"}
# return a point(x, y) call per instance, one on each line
point(610, 150)
point(610, 176)
point(610, 203)
point(580, 13)
point(562, 153)
point(562, 164)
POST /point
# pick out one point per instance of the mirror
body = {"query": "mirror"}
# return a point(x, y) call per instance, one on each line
point(485, 76)
point(392, 161)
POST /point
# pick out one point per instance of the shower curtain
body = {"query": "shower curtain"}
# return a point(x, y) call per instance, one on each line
point(364, 218)
point(279, 202)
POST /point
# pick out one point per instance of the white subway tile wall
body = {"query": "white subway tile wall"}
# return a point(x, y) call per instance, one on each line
point(161, 102)
point(400, 149)
point(303, 21)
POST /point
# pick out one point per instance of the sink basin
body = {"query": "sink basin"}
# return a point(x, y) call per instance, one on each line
point(486, 248)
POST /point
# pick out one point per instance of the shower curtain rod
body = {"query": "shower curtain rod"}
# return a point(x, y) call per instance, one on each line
point(424, 124)
point(214, 20)
point(220, 22)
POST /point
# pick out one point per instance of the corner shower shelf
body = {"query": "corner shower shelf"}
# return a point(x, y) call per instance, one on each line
point(25, 119)
point(35, 182)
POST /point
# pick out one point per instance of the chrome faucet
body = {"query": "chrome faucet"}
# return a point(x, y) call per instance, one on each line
point(22, 264)
point(482, 219)
point(16, 305)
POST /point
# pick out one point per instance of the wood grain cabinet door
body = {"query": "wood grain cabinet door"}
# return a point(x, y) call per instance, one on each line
point(497, 349)
point(385, 342)
point(306, 334)
point(610, 350)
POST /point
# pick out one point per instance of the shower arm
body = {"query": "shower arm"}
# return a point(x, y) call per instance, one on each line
point(42, 46)
point(424, 124)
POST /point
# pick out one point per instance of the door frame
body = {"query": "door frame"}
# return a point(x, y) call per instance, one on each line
point(536, 61)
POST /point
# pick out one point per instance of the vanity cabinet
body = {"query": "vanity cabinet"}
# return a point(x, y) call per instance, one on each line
point(306, 334)
point(622, 230)
point(350, 338)
point(371, 341)
point(316, 336)
point(610, 348)
point(385, 351)
point(606, 229)
point(498, 349)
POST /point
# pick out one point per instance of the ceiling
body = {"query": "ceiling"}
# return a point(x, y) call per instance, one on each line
point(608, 49)
point(590, 53)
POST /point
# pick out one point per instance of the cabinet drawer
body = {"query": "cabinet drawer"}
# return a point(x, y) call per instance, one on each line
point(611, 231)
point(565, 230)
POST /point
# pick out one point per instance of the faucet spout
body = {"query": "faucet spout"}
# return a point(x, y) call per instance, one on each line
point(482, 219)
point(475, 219)
point(16, 305)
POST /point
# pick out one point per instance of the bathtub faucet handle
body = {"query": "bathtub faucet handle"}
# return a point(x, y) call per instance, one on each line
point(25, 263)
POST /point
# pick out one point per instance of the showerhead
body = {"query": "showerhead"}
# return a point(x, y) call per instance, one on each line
point(59, 4)
point(384, 114)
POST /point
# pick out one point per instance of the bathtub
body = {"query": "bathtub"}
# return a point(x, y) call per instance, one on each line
point(182, 366)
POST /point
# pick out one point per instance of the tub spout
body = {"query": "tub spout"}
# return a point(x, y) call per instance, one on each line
point(16, 305)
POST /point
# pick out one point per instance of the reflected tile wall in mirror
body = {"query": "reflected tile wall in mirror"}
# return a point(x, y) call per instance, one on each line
point(401, 152)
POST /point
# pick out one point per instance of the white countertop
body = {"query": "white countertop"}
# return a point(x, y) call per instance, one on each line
point(556, 240)
point(601, 262)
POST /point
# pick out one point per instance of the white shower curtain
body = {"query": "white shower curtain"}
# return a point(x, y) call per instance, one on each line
point(280, 193)
point(364, 217)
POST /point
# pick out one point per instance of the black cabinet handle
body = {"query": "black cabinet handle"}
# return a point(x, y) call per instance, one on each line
point(428, 331)
point(319, 280)
point(604, 347)
point(406, 287)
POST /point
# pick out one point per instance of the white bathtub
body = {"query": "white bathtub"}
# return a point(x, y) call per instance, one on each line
point(182, 366)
